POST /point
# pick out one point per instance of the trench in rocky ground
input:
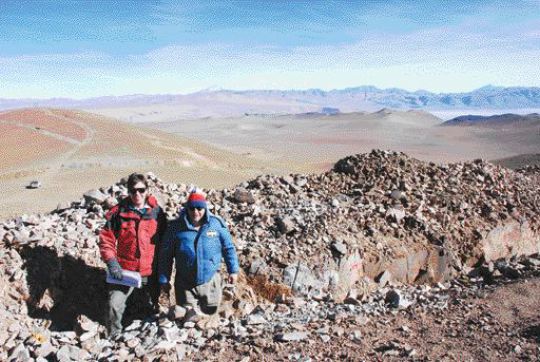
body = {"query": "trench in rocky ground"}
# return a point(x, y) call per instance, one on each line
point(532, 332)
point(411, 264)
point(60, 288)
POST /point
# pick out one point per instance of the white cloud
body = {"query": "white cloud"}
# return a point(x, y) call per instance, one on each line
point(439, 59)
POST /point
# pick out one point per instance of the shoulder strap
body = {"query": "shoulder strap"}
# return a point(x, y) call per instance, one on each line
point(153, 214)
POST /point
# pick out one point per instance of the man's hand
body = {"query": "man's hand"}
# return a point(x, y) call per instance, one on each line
point(164, 299)
point(233, 278)
point(115, 270)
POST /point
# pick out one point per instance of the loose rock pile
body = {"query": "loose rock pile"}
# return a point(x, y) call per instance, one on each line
point(529, 169)
point(348, 235)
point(379, 212)
point(532, 171)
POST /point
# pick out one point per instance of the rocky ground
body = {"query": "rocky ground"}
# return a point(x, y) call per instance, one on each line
point(384, 256)
point(460, 321)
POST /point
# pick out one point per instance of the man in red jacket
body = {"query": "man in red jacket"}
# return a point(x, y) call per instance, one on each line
point(127, 241)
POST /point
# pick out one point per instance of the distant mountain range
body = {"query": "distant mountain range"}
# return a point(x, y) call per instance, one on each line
point(363, 98)
point(532, 119)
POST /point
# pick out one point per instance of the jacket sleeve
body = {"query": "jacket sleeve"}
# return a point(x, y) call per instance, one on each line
point(107, 237)
point(228, 250)
point(166, 255)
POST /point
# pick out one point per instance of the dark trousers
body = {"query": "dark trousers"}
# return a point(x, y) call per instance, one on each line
point(143, 302)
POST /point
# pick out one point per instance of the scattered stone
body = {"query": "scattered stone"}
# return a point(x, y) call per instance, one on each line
point(71, 353)
point(63, 206)
point(44, 350)
point(285, 224)
point(134, 342)
point(178, 312)
point(395, 300)
point(292, 336)
point(241, 195)
point(95, 196)
point(357, 335)
point(253, 319)
point(258, 266)
point(85, 324)
point(384, 278)
point(325, 338)
point(340, 248)
point(19, 353)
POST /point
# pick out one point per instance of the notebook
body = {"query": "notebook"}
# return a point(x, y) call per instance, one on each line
point(130, 279)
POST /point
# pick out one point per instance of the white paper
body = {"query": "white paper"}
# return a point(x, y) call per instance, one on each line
point(130, 279)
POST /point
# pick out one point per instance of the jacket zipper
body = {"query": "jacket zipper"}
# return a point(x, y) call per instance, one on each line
point(199, 257)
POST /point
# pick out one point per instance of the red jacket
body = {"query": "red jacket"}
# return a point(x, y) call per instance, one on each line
point(131, 237)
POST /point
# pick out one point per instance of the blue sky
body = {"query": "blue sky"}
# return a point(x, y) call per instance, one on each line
point(94, 48)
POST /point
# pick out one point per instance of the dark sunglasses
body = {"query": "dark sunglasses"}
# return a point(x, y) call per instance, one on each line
point(140, 190)
point(193, 208)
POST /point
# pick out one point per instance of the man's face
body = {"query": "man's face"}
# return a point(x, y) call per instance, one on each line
point(196, 214)
point(138, 194)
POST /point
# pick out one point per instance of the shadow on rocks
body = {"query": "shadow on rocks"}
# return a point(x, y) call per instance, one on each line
point(62, 287)
point(532, 332)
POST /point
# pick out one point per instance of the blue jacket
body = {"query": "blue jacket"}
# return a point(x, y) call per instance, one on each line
point(197, 254)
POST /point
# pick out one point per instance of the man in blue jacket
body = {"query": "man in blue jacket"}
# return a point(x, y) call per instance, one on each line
point(197, 241)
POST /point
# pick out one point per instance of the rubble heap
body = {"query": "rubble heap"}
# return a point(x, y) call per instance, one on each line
point(374, 219)
point(374, 209)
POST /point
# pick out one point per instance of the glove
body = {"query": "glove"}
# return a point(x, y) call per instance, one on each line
point(233, 278)
point(164, 299)
point(115, 270)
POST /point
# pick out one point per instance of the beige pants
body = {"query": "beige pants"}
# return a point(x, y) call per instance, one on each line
point(207, 295)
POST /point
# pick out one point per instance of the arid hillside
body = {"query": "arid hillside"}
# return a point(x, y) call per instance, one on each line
point(70, 152)
point(519, 161)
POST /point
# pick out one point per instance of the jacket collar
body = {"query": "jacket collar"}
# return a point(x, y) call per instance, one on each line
point(150, 201)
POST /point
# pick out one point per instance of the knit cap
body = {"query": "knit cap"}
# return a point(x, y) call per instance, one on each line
point(196, 198)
